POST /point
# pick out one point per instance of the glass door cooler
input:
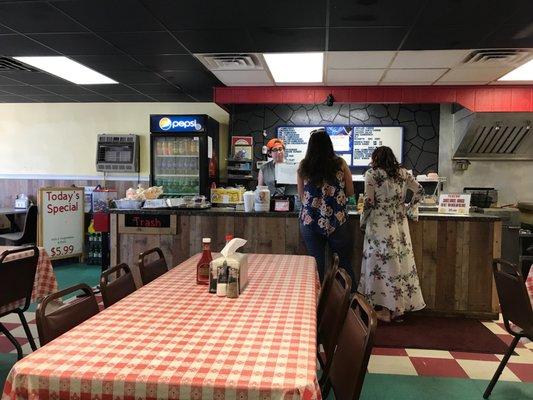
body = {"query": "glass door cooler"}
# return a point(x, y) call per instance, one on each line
point(183, 154)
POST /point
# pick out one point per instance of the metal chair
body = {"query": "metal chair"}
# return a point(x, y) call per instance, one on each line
point(29, 234)
point(335, 308)
point(123, 285)
point(52, 324)
point(352, 353)
point(17, 277)
point(516, 309)
point(152, 270)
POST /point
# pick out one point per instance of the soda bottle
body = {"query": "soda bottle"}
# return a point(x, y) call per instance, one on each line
point(204, 264)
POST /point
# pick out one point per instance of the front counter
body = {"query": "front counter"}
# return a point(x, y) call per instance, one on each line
point(453, 253)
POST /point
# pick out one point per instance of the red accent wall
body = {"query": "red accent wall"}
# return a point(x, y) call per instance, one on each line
point(475, 98)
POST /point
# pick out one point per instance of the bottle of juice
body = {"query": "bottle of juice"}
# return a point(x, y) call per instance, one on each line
point(360, 203)
point(202, 268)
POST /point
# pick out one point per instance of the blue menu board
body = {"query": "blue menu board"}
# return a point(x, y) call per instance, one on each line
point(353, 143)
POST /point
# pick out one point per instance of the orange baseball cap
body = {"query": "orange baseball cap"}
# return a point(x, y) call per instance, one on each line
point(275, 143)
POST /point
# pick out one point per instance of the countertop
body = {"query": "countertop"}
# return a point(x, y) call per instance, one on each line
point(226, 211)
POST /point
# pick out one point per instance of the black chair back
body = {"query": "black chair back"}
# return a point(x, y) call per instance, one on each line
point(50, 325)
point(354, 346)
point(152, 270)
point(17, 276)
point(29, 233)
point(120, 287)
point(514, 300)
point(326, 287)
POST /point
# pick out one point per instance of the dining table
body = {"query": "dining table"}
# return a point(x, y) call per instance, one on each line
point(45, 281)
point(172, 339)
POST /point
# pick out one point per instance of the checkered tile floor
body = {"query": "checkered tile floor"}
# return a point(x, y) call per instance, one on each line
point(433, 363)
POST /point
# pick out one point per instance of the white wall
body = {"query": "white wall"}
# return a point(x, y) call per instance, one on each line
point(513, 179)
point(60, 138)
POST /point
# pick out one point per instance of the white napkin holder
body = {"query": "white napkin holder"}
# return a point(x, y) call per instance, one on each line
point(235, 260)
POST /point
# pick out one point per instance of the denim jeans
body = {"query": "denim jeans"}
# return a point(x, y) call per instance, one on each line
point(339, 241)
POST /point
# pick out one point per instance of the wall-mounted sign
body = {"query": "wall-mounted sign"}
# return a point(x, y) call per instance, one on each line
point(177, 123)
point(146, 221)
point(61, 221)
point(454, 203)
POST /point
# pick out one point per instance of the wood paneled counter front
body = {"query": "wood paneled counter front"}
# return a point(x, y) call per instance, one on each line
point(453, 253)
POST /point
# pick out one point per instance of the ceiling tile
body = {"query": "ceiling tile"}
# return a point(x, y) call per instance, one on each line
point(6, 98)
point(511, 36)
point(108, 62)
point(444, 38)
point(349, 13)
point(216, 40)
point(353, 76)
point(244, 78)
point(473, 74)
point(89, 98)
point(191, 80)
point(76, 43)
point(145, 42)
point(170, 62)
point(192, 15)
point(109, 89)
point(128, 98)
point(157, 89)
point(358, 59)
point(421, 76)
point(357, 39)
point(111, 16)
point(140, 76)
point(64, 89)
point(204, 95)
point(286, 40)
point(50, 98)
point(33, 17)
point(18, 45)
point(178, 97)
point(429, 59)
point(33, 78)
point(282, 13)
point(22, 90)
point(4, 80)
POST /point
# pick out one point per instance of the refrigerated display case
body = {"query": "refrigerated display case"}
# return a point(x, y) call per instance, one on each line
point(183, 154)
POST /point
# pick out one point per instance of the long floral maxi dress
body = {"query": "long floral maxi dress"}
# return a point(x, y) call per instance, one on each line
point(388, 272)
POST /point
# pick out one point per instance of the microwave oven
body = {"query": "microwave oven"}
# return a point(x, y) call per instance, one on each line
point(117, 153)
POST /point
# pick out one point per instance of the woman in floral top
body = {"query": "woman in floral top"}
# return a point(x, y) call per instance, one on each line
point(388, 273)
point(324, 183)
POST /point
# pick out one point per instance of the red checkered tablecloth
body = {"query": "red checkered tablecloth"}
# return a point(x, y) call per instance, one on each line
point(45, 280)
point(171, 339)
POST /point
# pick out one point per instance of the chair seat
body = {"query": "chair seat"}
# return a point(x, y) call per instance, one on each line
point(12, 236)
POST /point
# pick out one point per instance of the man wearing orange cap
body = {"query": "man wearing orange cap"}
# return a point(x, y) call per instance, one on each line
point(267, 172)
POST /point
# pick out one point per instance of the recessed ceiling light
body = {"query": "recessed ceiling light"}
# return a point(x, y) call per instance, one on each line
point(67, 69)
point(522, 73)
point(296, 67)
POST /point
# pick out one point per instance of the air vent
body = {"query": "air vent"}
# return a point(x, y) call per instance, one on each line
point(496, 57)
point(8, 64)
point(230, 62)
point(498, 139)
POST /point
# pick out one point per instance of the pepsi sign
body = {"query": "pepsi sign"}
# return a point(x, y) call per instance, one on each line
point(177, 123)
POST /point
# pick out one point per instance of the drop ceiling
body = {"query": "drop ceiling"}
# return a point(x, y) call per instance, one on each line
point(150, 46)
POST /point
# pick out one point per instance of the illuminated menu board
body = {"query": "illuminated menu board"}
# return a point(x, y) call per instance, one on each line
point(353, 143)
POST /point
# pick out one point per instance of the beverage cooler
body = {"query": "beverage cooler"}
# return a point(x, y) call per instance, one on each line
point(183, 154)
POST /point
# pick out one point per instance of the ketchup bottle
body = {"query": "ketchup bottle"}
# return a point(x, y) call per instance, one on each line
point(204, 265)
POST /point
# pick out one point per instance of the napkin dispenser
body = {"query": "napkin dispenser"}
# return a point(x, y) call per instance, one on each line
point(22, 201)
point(239, 261)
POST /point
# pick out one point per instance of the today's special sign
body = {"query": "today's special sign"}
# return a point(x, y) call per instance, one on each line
point(454, 203)
point(61, 221)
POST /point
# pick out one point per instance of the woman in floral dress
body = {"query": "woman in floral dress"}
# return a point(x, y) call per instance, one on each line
point(389, 279)
point(324, 183)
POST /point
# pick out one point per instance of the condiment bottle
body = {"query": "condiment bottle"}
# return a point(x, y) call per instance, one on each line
point(228, 237)
point(202, 268)
point(232, 290)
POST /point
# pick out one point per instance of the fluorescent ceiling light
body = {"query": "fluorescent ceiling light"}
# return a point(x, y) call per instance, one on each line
point(296, 67)
point(67, 69)
point(522, 73)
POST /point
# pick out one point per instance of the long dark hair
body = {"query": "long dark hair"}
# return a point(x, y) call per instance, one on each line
point(384, 158)
point(320, 164)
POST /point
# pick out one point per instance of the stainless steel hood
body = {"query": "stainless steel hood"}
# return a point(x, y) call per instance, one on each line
point(493, 136)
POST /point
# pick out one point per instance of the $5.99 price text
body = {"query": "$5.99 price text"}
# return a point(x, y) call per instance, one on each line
point(61, 251)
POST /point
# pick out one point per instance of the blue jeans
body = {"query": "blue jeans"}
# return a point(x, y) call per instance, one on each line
point(339, 242)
